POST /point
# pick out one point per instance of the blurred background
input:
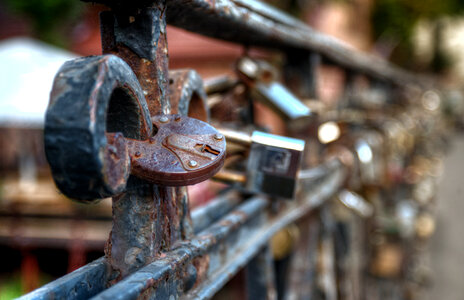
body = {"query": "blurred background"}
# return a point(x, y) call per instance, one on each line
point(43, 235)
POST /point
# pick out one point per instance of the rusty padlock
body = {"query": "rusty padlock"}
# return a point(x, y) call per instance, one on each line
point(184, 151)
point(94, 144)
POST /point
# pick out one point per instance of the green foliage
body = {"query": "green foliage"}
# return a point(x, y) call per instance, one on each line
point(11, 288)
point(395, 20)
point(398, 17)
point(48, 16)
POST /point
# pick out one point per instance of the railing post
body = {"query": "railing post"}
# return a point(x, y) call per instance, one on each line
point(147, 218)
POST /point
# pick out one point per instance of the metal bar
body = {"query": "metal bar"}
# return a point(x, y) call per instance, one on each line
point(303, 266)
point(260, 278)
point(204, 216)
point(255, 24)
point(94, 275)
point(83, 283)
point(218, 252)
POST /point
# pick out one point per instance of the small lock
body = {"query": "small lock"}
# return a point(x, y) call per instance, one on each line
point(387, 261)
point(261, 80)
point(99, 131)
point(356, 203)
point(369, 149)
point(284, 241)
point(273, 163)
point(184, 151)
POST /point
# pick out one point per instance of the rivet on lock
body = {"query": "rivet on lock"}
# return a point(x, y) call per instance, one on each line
point(273, 163)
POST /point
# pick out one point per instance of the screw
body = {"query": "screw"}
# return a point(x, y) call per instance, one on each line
point(193, 164)
point(164, 119)
point(177, 118)
point(218, 136)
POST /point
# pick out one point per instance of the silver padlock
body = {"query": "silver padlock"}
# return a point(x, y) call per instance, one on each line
point(264, 87)
point(272, 166)
point(369, 149)
point(355, 203)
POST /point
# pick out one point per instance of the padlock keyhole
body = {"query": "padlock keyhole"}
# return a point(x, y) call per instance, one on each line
point(207, 148)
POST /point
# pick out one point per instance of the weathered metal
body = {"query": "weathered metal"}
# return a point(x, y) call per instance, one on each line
point(272, 164)
point(226, 240)
point(187, 94)
point(83, 283)
point(184, 151)
point(121, 125)
point(76, 122)
point(138, 36)
point(223, 249)
point(254, 23)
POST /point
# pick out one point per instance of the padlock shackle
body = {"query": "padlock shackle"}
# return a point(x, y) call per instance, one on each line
point(89, 95)
point(236, 137)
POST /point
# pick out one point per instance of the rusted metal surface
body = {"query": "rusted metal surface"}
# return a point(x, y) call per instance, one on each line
point(188, 96)
point(92, 278)
point(76, 122)
point(217, 252)
point(184, 151)
point(125, 156)
point(147, 219)
point(118, 125)
point(256, 24)
point(224, 247)
point(138, 36)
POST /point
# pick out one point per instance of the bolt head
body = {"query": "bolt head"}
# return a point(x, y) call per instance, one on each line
point(218, 136)
point(193, 164)
point(164, 119)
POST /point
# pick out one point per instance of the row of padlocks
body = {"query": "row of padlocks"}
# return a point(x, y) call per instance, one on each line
point(315, 200)
point(103, 139)
point(383, 217)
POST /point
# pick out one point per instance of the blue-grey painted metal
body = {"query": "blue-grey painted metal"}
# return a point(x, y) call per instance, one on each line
point(83, 283)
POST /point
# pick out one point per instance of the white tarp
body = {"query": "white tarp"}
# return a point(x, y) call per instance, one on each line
point(27, 69)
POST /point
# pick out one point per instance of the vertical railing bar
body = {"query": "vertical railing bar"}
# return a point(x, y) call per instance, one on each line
point(260, 277)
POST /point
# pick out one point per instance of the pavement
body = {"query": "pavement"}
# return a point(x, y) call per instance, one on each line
point(447, 245)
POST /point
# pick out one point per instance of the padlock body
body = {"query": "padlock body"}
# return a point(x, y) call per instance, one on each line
point(273, 164)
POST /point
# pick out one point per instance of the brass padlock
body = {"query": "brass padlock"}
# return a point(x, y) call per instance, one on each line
point(284, 241)
point(387, 261)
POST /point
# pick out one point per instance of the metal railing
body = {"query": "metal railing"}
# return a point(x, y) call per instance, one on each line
point(157, 249)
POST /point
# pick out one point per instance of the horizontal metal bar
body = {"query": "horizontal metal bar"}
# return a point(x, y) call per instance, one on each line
point(254, 23)
point(222, 249)
point(204, 216)
point(91, 279)
point(80, 284)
